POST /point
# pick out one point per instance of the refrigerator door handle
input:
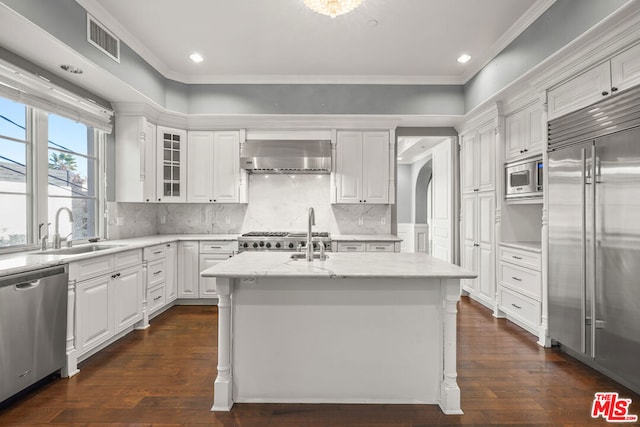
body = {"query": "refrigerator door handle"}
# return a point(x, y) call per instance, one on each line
point(583, 289)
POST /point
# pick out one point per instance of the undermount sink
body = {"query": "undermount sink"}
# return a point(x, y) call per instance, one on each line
point(76, 250)
point(301, 255)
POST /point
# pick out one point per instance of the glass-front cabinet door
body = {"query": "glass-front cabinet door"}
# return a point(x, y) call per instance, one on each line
point(172, 165)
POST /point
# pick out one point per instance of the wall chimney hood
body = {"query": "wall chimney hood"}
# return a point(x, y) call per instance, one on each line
point(286, 156)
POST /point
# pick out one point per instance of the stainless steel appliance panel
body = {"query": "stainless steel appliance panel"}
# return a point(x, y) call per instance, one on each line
point(33, 324)
point(567, 246)
point(617, 265)
point(523, 179)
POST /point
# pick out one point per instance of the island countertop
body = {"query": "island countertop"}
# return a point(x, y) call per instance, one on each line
point(338, 265)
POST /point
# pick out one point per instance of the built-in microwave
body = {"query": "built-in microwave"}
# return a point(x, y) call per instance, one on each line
point(523, 179)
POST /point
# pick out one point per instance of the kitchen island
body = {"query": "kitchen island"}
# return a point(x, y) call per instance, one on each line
point(354, 328)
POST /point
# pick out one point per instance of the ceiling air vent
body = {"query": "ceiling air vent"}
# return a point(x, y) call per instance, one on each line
point(103, 39)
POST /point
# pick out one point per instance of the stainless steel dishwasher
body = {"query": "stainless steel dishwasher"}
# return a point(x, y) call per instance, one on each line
point(33, 324)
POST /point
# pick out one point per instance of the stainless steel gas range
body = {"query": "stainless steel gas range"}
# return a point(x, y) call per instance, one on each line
point(281, 241)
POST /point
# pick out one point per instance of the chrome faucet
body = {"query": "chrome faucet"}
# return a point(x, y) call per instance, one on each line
point(312, 222)
point(56, 235)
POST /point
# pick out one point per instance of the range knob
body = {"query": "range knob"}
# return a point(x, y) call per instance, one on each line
point(255, 245)
point(290, 245)
point(268, 245)
point(245, 245)
point(261, 244)
point(278, 245)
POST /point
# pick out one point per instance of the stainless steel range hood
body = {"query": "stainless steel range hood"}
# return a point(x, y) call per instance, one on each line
point(286, 156)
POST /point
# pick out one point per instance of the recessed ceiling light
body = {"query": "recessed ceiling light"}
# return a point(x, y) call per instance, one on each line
point(399, 158)
point(464, 58)
point(196, 57)
point(71, 69)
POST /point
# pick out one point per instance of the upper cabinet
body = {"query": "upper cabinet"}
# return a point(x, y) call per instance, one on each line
point(135, 159)
point(524, 133)
point(172, 174)
point(213, 167)
point(619, 73)
point(478, 159)
point(362, 167)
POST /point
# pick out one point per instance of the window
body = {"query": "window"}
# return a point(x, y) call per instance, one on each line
point(73, 178)
point(47, 162)
point(15, 173)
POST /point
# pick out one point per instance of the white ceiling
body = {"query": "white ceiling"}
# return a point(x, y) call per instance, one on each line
point(281, 41)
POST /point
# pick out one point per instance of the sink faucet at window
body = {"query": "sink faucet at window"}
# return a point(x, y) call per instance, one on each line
point(56, 236)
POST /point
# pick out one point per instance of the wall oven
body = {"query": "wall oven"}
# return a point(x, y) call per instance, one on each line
point(523, 179)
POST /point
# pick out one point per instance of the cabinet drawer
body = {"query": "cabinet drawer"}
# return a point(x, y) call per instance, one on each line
point(380, 247)
point(521, 307)
point(156, 298)
point(156, 273)
point(92, 267)
point(154, 252)
point(521, 279)
point(351, 247)
point(128, 258)
point(522, 258)
point(218, 246)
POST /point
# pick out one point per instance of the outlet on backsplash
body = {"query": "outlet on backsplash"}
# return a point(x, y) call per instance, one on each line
point(360, 220)
point(227, 220)
point(163, 219)
point(119, 221)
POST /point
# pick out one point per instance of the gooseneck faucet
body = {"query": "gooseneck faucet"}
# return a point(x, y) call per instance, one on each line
point(56, 236)
point(312, 222)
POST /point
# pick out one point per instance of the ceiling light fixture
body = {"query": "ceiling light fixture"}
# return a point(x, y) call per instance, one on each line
point(196, 57)
point(332, 8)
point(464, 58)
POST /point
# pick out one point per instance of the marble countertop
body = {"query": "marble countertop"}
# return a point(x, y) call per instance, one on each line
point(20, 262)
point(525, 246)
point(338, 265)
point(365, 238)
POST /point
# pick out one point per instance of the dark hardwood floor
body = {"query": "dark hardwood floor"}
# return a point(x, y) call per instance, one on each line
point(164, 377)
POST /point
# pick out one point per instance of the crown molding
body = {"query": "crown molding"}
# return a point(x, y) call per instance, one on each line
point(480, 117)
point(518, 27)
point(319, 79)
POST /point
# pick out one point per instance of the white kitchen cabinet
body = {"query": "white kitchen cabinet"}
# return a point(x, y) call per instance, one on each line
point(161, 275)
point(478, 158)
point(362, 167)
point(524, 133)
point(94, 313)
point(172, 165)
point(188, 270)
point(128, 289)
point(620, 72)
point(366, 246)
point(211, 253)
point(171, 264)
point(135, 146)
point(520, 287)
point(213, 167)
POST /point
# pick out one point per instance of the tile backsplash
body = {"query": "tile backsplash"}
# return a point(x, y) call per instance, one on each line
point(276, 203)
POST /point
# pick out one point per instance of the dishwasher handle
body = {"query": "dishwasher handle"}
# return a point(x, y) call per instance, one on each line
point(27, 285)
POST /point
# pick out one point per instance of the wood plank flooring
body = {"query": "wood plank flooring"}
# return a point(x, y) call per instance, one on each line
point(163, 376)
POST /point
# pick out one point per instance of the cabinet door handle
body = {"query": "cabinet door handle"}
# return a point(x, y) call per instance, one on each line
point(516, 257)
point(476, 245)
point(476, 189)
point(157, 252)
point(157, 298)
point(215, 247)
point(352, 248)
point(113, 276)
point(516, 306)
point(157, 272)
point(605, 93)
point(516, 278)
point(614, 89)
point(381, 248)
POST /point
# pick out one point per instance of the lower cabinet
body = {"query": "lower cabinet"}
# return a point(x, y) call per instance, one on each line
point(368, 246)
point(161, 288)
point(105, 304)
point(193, 258)
point(188, 270)
point(520, 287)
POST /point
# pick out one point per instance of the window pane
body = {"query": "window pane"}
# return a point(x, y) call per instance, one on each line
point(84, 217)
point(65, 134)
point(71, 175)
point(13, 170)
point(12, 119)
point(13, 221)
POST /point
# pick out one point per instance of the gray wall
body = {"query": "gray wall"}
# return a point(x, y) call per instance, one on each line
point(404, 201)
point(563, 22)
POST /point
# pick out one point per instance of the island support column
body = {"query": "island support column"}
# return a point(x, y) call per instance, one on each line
point(223, 386)
point(449, 390)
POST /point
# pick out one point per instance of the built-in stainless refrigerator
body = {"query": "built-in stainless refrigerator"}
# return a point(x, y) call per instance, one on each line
point(594, 236)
